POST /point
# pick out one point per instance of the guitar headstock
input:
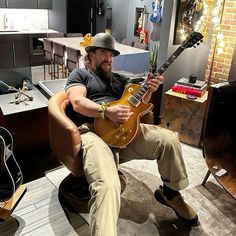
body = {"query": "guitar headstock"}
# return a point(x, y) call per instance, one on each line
point(195, 38)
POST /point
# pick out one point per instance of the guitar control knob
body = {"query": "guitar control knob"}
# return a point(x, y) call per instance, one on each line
point(121, 128)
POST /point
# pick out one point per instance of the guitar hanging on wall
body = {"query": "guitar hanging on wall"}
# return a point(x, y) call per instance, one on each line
point(10, 173)
point(121, 134)
point(100, 9)
point(143, 33)
point(156, 13)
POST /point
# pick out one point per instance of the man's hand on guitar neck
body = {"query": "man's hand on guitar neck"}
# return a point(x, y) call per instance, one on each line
point(118, 113)
point(153, 82)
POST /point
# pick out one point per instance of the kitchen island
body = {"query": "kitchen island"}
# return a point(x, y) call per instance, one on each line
point(131, 59)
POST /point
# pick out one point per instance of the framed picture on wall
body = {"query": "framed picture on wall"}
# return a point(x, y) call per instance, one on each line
point(188, 18)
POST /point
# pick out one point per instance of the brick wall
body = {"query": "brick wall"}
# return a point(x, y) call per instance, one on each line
point(222, 62)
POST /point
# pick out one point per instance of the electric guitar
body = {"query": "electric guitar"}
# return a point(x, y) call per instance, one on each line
point(100, 9)
point(156, 14)
point(10, 173)
point(121, 134)
point(143, 34)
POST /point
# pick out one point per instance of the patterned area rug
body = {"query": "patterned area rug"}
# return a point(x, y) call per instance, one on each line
point(142, 215)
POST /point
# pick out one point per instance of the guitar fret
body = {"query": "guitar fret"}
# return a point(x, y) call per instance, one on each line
point(169, 61)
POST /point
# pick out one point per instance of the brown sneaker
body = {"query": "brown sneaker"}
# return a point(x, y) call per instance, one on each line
point(181, 208)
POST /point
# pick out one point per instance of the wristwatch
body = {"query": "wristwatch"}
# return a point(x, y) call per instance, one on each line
point(102, 109)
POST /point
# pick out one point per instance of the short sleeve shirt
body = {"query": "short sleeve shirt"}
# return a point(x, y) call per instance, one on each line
point(98, 89)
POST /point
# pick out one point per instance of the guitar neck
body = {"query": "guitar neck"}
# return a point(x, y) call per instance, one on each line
point(156, 1)
point(169, 61)
point(143, 89)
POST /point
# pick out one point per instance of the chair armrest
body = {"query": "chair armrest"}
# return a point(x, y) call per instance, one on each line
point(64, 134)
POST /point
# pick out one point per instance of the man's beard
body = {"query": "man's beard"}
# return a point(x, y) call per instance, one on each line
point(102, 73)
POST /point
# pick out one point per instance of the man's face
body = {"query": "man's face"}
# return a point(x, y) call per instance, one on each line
point(102, 61)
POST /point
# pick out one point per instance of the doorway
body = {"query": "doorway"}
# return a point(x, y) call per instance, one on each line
point(81, 16)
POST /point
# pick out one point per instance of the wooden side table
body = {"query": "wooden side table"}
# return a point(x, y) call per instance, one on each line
point(184, 116)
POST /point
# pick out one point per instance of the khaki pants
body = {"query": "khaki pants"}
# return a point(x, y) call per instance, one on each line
point(100, 168)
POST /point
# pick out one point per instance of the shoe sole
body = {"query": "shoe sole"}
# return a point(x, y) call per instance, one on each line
point(158, 196)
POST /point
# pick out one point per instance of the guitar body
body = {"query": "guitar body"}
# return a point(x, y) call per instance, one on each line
point(143, 38)
point(156, 14)
point(10, 173)
point(120, 135)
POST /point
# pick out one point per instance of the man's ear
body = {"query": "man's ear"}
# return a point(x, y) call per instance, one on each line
point(91, 55)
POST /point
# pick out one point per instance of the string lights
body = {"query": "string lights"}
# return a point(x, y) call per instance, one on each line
point(199, 24)
point(193, 17)
point(217, 14)
point(219, 44)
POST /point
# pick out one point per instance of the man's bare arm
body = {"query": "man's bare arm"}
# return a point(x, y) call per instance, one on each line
point(81, 104)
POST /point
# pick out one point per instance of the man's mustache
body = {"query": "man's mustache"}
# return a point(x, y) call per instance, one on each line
point(106, 62)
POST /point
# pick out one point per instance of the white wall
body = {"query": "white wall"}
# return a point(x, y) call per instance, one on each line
point(24, 19)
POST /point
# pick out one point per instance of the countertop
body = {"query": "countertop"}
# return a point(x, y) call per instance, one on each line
point(30, 31)
point(9, 107)
point(131, 59)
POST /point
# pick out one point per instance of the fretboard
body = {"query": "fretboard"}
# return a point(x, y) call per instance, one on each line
point(143, 89)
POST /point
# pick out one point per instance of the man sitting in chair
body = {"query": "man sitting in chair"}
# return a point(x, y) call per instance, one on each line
point(92, 91)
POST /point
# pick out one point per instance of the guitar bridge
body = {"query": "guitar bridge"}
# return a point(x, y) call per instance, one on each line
point(133, 100)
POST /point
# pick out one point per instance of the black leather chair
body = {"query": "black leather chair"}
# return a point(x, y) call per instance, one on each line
point(219, 134)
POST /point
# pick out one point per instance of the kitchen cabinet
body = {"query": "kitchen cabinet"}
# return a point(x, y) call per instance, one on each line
point(7, 54)
point(3, 4)
point(28, 122)
point(45, 4)
point(14, 51)
point(73, 16)
point(36, 49)
point(26, 4)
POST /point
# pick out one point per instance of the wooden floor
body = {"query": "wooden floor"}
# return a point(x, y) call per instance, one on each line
point(40, 213)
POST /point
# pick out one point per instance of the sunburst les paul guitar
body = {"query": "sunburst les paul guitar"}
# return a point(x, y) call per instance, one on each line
point(119, 135)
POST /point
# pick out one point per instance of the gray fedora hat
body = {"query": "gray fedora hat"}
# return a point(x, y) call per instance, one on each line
point(103, 40)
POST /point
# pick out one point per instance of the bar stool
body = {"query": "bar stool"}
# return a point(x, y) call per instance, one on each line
point(59, 60)
point(48, 57)
point(141, 45)
point(127, 42)
point(73, 57)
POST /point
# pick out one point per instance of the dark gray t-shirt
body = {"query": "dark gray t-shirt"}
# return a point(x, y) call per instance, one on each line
point(98, 89)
